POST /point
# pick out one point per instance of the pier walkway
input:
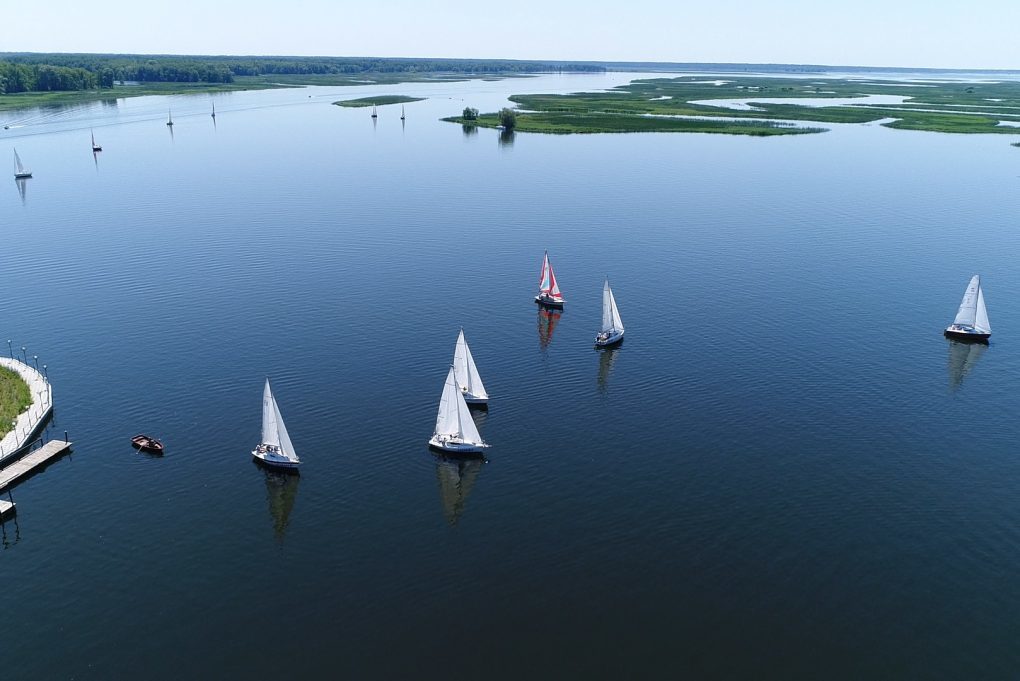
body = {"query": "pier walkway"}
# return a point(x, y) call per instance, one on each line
point(30, 421)
point(30, 462)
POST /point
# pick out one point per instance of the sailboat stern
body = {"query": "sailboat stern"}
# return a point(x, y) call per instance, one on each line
point(607, 338)
point(455, 445)
point(274, 458)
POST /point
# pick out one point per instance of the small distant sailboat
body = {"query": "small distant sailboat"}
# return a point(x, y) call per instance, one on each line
point(971, 321)
point(20, 171)
point(276, 449)
point(548, 290)
point(455, 432)
point(95, 147)
point(612, 326)
point(214, 109)
point(402, 112)
point(375, 113)
point(468, 380)
point(170, 118)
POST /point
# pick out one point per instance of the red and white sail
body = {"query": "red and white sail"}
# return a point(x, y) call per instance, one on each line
point(547, 280)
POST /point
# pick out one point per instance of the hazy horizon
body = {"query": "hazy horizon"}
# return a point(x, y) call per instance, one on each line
point(912, 34)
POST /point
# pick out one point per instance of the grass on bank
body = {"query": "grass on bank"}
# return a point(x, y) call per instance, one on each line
point(380, 100)
point(23, 100)
point(955, 107)
point(572, 123)
point(15, 398)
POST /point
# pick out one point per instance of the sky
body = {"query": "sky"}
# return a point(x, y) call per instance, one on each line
point(907, 33)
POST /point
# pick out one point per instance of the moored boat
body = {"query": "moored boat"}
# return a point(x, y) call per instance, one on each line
point(971, 323)
point(146, 443)
point(170, 118)
point(549, 293)
point(95, 147)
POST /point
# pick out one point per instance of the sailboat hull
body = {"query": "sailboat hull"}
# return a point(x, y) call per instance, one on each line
point(966, 333)
point(22, 176)
point(611, 339)
point(475, 401)
point(273, 460)
point(451, 446)
point(546, 301)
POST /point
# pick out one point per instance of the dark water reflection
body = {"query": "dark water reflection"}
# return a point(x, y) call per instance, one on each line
point(456, 478)
point(963, 357)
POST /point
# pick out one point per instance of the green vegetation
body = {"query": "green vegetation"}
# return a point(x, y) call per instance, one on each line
point(32, 99)
point(566, 123)
point(380, 100)
point(27, 72)
point(1015, 144)
point(14, 398)
point(937, 106)
point(507, 119)
point(470, 114)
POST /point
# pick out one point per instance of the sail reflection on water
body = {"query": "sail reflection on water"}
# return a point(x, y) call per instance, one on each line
point(281, 492)
point(547, 321)
point(962, 359)
point(607, 358)
point(456, 478)
point(22, 188)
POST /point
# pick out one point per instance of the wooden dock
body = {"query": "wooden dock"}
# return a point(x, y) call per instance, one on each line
point(32, 461)
point(6, 509)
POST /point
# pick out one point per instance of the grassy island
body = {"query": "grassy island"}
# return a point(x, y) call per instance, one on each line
point(380, 100)
point(577, 123)
point(934, 106)
point(15, 398)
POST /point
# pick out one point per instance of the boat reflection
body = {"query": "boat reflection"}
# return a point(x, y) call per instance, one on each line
point(456, 477)
point(607, 358)
point(281, 492)
point(22, 187)
point(547, 321)
point(962, 358)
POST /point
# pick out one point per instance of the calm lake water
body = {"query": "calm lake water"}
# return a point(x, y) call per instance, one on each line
point(784, 472)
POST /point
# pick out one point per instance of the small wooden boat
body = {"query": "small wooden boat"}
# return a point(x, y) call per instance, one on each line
point(146, 443)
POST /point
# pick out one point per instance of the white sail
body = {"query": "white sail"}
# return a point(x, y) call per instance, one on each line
point(270, 429)
point(466, 371)
point(981, 324)
point(17, 163)
point(285, 444)
point(967, 313)
point(610, 314)
point(454, 420)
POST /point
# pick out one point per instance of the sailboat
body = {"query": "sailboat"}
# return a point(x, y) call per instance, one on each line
point(468, 380)
point(455, 432)
point(95, 147)
point(971, 321)
point(169, 118)
point(612, 326)
point(375, 113)
point(276, 448)
point(214, 109)
point(402, 112)
point(548, 290)
point(20, 172)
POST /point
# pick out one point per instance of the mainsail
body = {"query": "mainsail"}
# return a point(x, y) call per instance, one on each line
point(274, 432)
point(20, 169)
point(454, 420)
point(610, 314)
point(466, 371)
point(972, 310)
point(547, 279)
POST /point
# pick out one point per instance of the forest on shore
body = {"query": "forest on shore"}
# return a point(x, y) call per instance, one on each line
point(31, 72)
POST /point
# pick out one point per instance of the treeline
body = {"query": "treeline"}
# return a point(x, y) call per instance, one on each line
point(46, 72)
